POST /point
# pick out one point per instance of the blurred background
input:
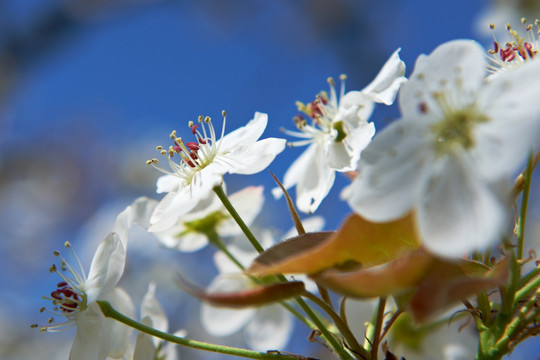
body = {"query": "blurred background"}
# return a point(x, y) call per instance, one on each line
point(88, 88)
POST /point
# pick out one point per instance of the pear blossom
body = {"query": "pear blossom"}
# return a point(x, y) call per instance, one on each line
point(450, 157)
point(202, 163)
point(75, 297)
point(264, 328)
point(153, 315)
point(338, 132)
point(517, 49)
point(190, 233)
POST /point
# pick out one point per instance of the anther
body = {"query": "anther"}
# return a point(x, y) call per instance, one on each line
point(67, 244)
point(343, 77)
point(223, 113)
point(159, 147)
point(207, 119)
point(331, 81)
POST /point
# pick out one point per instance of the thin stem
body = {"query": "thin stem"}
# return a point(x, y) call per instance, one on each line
point(331, 341)
point(341, 325)
point(327, 335)
point(230, 208)
point(524, 203)
point(390, 322)
point(110, 312)
point(214, 238)
point(378, 327)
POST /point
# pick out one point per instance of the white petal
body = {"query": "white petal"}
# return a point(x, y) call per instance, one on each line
point(384, 87)
point(510, 101)
point(151, 308)
point(171, 207)
point(456, 68)
point(167, 183)
point(313, 179)
point(222, 321)
point(143, 208)
point(248, 203)
point(190, 242)
point(106, 268)
point(97, 336)
point(144, 345)
point(359, 103)
point(247, 134)
point(270, 329)
point(391, 173)
point(339, 156)
point(459, 212)
point(358, 138)
point(252, 158)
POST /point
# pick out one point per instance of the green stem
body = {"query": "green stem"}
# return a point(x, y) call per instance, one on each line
point(326, 334)
point(527, 289)
point(230, 208)
point(378, 328)
point(517, 325)
point(110, 312)
point(330, 340)
point(214, 238)
point(343, 328)
point(524, 203)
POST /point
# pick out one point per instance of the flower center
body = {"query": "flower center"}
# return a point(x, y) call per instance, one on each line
point(517, 50)
point(456, 130)
point(69, 298)
point(193, 155)
point(322, 111)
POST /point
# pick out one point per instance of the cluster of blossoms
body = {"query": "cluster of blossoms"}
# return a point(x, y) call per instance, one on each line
point(429, 190)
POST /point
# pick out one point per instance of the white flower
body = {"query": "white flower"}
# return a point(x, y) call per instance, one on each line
point(517, 50)
point(264, 328)
point(153, 315)
point(190, 233)
point(338, 132)
point(203, 163)
point(97, 337)
point(459, 136)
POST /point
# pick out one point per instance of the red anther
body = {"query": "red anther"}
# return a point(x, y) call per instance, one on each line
point(323, 100)
point(192, 146)
point(61, 284)
point(178, 149)
point(194, 129)
point(529, 48)
point(202, 141)
point(511, 56)
point(423, 107)
point(56, 294)
point(190, 163)
point(193, 155)
point(495, 46)
point(522, 53)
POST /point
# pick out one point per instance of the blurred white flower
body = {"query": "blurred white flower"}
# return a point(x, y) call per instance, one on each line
point(203, 163)
point(191, 231)
point(153, 315)
point(441, 340)
point(338, 132)
point(75, 297)
point(458, 138)
point(264, 328)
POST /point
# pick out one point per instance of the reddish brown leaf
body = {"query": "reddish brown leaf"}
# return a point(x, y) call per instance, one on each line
point(256, 296)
